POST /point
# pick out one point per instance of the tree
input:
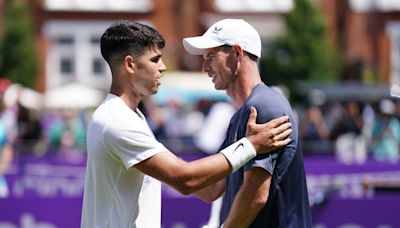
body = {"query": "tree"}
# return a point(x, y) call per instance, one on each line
point(18, 58)
point(303, 53)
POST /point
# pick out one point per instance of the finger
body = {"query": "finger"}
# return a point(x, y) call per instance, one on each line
point(282, 143)
point(283, 128)
point(283, 135)
point(278, 121)
point(252, 116)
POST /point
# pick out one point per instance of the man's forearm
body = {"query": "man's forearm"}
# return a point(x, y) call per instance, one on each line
point(250, 199)
point(212, 192)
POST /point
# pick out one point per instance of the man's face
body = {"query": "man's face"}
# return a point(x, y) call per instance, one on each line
point(148, 70)
point(220, 65)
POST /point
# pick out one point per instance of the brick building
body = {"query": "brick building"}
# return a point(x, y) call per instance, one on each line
point(68, 32)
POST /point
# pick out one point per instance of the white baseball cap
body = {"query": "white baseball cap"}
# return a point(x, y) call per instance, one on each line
point(226, 32)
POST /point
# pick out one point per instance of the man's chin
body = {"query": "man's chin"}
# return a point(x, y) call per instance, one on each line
point(152, 92)
point(155, 90)
point(218, 87)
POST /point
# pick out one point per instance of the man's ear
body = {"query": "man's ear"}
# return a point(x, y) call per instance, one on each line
point(129, 64)
point(238, 51)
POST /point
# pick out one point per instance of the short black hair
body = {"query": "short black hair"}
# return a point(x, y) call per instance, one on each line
point(129, 38)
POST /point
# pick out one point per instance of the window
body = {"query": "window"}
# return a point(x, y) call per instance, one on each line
point(74, 53)
point(99, 5)
point(64, 46)
point(65, 41)
point(95, 41)
point(98, 66)
point(393, 30)
point(253, 5)
point(66, 66)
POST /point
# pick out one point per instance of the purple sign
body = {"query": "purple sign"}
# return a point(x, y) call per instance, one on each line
point(43, 193)
point(344, 195)
point(47, 192)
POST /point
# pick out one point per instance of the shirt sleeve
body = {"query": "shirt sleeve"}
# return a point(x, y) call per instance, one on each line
point(266, 162)
point(133, 145)
point(265, 113)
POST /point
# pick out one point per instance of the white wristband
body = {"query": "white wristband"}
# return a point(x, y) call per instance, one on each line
point(239, 153)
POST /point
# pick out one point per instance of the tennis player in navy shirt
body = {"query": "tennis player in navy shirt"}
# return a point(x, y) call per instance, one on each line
point(269, 190)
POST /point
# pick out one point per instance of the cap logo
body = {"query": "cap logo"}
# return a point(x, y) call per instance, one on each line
point(216, 30)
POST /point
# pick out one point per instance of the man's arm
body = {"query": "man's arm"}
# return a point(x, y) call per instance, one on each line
point(189, 177)
point(250, 199)
point(186, 177)
point(212, 192)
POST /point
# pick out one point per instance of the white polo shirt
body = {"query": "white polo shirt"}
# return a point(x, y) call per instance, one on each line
point(117, 194)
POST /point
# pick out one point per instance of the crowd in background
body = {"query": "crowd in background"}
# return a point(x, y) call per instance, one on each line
point(351, 130)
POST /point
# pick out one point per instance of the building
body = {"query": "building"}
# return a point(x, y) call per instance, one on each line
point(68, 33)
point(368, 34)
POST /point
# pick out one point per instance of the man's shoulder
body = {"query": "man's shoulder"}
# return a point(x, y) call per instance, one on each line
point(268, 102)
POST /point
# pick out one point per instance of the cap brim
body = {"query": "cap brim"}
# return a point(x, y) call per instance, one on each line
point(196, 45)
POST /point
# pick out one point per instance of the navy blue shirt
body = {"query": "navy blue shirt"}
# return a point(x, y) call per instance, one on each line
point(287, 204)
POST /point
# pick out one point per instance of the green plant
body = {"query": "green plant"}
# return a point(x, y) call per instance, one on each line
point(18, 61)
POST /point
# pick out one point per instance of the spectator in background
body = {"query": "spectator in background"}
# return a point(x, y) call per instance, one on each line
point(386, 133)
point(211, 135)
point(334, 111)
point(350, 121)
point(173, 127)
point(313, 129)
point(350, 145)
point(155, 116)
point(368, 114)
point(6, 153)
point(29, 130)
point(313, 126)
point(397, 112)
point(67, 133)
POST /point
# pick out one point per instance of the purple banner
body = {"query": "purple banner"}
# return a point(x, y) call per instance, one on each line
point(346, 195)
point(47, 192)
point(44, 192)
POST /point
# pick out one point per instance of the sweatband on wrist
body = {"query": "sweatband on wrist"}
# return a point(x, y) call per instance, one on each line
point(239, 153)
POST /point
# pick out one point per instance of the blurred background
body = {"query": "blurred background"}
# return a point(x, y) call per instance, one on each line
point(335, 60)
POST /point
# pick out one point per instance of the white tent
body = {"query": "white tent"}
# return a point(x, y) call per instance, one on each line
point(73, 95)
point(27, 97)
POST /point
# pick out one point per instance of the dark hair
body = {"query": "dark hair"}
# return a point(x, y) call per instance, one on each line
point(129, 38)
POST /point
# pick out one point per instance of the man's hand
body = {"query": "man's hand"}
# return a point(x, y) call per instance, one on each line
point(268, 136)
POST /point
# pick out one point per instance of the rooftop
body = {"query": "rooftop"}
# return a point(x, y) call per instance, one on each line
point(99, 5)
